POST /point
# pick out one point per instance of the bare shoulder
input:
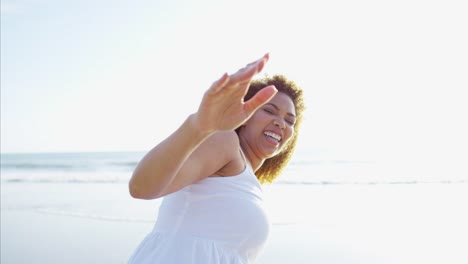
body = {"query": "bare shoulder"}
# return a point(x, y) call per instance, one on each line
point(225, 140)
point(228, 146)
point(214, 154)
point(223, 144)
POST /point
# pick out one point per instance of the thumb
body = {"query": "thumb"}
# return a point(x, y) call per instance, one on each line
point(260, 98)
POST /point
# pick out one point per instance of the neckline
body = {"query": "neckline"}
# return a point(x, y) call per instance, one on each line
point(244, 172)
point(247, 172)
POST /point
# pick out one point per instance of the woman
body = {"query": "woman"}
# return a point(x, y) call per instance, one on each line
point(211, 168)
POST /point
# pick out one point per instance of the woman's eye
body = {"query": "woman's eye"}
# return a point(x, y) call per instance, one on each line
point(290, 122)
point(268, 111)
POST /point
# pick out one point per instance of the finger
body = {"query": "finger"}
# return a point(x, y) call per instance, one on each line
point(251, 70)
point(266, 57)
point(260, 98)
point(260, 63)
point(219, 84)
point(245, 74)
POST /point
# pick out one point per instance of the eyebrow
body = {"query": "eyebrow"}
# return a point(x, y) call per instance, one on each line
point(277, 108)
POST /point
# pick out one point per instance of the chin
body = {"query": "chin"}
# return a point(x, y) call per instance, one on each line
point(271, 152)
point(275, 153)
point(278, 151)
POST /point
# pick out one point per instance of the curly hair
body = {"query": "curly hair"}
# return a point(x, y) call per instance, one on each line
point(272, 167)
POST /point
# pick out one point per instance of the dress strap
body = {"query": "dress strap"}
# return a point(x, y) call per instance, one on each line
point(247, 163)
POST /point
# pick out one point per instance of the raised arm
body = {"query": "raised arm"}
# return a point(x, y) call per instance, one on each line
point(189, 154)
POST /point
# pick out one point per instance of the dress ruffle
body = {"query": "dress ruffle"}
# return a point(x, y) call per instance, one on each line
point(159, 247)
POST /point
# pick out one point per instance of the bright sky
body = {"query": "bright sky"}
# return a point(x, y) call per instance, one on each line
point(383, 79)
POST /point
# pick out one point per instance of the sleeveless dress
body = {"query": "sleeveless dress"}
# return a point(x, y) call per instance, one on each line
point(218, 220)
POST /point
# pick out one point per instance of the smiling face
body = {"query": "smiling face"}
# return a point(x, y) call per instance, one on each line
point(269, 129)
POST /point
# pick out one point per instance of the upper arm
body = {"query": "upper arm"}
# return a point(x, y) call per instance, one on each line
point(207, 159)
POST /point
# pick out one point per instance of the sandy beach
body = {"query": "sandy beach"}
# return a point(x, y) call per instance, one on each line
point(101, 223)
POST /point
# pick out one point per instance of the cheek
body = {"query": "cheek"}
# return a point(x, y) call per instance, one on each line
point(259, 120)
point(289, 133)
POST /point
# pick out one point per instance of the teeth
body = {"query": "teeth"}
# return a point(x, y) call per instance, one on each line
point(273, 135)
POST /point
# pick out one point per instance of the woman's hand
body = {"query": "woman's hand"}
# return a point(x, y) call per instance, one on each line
point(223, 106)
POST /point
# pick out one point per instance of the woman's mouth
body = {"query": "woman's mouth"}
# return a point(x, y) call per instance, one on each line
point(272, 137)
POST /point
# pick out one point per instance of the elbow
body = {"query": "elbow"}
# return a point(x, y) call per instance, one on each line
point(139, 192)
point(134, 190)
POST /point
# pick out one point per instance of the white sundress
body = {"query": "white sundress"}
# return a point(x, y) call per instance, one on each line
point(218, 220)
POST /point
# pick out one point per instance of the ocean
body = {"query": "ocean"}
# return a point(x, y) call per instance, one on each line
point(305, 168)
point(82, 167)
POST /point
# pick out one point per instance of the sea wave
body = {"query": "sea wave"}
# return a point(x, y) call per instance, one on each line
point(70, 161)
point(68, 166)
point(304, 170)
point(370, 182)
point(48, 176)
point(124, 179)
point(61, 181)
point(95, 216)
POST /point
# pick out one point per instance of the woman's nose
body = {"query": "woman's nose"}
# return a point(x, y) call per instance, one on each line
point(279, 123)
